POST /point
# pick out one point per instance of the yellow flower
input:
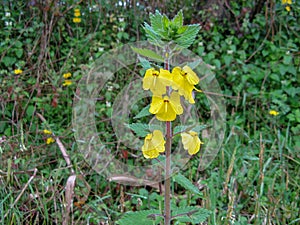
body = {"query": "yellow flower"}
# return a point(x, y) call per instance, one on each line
point(18, 71)
point(157, 81)
point(67, 83)
point(184, 81)
point(153, 145)
point(166, 108)
point(191, 142)
point(76, 20)
point(50, 140)
point(286, 2)
point(273, 112)
point(76, 12)
point(67, 75)
point(288, 8)
point(47, 131)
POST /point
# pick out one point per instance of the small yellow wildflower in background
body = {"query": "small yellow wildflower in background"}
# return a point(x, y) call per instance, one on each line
point(76, 12)
point(18, 71)
point(76, 20)
point(288, 2)
point(50, 140)
point(67, 75)
point(154, 144)
point(191, 142)
point(47, 131)
point(273, 112)
point(67, 83)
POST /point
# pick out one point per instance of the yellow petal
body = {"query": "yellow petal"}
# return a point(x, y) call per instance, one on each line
point(154, 144)
point(175, 103)
point(156, 104)
point(191, 142)
point(191, 76)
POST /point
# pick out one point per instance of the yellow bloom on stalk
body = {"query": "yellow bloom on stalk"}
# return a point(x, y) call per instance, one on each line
point(18, 71)
point(50, 140)
point(156, 81)
point(191, 142)
point(47, 131)
point(76, 20)
point(184, 80)
point(288, 8)
point(76, 12)
point(67, 83)
point(153, 145)
point(166, 108)
point(67, 75)
point(273, 112)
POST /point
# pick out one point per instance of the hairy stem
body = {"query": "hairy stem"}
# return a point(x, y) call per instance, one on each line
point(168, 173)
point(168, 161)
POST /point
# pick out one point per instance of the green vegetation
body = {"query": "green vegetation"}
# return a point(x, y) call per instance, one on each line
point(253, 49)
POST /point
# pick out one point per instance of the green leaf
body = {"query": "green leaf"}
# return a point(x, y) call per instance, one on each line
point(190, 214)
point(19, 52)
point(185, 128)
point(144, 62)
point(178, 20)
point(156, 21)
point(140, 129)
point(148, 53)
point(8, 61)
point(145, 217)
point(227, 59)
point(144, 112)
point(188, 36)
point(186, 183)
point(30, 110)
point(194, 64)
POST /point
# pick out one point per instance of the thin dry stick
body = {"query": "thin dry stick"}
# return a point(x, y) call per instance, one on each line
point(22, 192)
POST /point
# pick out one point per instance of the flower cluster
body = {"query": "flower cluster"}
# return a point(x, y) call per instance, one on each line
point(167, 87)
point(77, 14)
point(67, 81)
point(287, 4)
point(49, 140)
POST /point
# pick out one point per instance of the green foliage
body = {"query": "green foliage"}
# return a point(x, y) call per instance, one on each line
point(162, 29)
point(186, 183)
point(190, 214)
point(145, 217)
point(141, 129)
point(148, 53)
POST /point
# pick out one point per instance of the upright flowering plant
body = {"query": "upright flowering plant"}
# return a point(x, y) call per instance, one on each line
point(170, 86)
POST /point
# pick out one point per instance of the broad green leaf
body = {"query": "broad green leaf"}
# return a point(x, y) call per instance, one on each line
point(186, 183)
point(144, 112)
point(156, 21)
point(190, 214)
point(145, 217)
point(148, 53)
point(188, 36)
point(144, 62)
point(140, 129)
point(194, 64)
point(30, 110)
point(178, 20)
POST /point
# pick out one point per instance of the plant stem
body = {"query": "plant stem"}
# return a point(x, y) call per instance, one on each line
point(168, 173)
point(168, 161)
